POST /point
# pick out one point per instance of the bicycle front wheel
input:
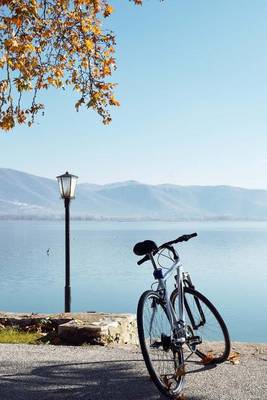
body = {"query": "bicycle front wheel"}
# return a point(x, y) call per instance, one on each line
point(208, 335)
point(163, 361)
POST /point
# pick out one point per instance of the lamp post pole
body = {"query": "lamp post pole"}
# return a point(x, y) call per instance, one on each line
point(67, 256)
point(67, 184)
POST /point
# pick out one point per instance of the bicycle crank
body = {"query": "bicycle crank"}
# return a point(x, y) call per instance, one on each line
point(193, 341)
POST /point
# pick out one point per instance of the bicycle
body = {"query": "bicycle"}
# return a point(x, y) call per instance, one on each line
point(172, 329)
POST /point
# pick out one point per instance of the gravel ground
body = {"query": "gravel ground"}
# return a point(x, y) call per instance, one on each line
point(118, 373)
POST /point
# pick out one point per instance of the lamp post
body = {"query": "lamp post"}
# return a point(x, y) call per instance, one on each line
point(67, 184)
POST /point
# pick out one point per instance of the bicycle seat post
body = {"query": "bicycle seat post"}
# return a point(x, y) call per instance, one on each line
point(157, 271)
point(153, 261)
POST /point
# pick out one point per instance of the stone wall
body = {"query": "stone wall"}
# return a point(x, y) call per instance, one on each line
point(76, 328)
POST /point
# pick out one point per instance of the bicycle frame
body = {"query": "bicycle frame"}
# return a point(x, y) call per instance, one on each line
point(177, 321)
point(177, 318)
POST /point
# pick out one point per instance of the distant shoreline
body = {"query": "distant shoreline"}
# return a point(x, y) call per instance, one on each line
point(125, 219)
point(27, 197)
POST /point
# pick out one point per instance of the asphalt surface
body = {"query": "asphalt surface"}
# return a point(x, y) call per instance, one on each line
point(98, 373)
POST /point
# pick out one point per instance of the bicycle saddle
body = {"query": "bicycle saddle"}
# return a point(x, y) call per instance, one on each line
point(145, 247)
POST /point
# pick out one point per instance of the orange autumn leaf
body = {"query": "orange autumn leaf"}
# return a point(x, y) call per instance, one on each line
point(180, 372)
point(17, 21)
point(234, 358)
point(114, 102)
point(207, 358)
point(181, 397)
point(108, 10)
point(166, 381)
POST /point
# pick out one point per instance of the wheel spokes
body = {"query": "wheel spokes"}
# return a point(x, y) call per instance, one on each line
point(158, 339)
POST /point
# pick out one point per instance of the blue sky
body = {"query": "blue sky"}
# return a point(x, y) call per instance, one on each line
point(193, 87)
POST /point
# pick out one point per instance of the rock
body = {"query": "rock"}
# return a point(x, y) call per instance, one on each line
point(109, 328)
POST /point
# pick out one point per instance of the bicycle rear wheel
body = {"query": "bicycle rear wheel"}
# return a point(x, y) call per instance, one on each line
point(204, 322)
point(163, 361)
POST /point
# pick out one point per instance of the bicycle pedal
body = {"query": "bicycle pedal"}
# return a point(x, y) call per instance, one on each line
point(166, 342)
point(155, 345)
point(194, 340)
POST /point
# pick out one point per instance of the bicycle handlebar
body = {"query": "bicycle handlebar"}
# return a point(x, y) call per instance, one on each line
point(183, 238)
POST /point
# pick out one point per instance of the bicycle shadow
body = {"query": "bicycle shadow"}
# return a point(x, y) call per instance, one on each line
point(108, 380)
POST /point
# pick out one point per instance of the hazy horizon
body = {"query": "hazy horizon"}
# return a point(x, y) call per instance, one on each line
point(132, 180)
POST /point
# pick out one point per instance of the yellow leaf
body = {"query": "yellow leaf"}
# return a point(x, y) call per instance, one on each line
point(234, 358)
point(2, 62)
point(29, 47)
point(96, 30)
point(106, 70)
point(89, 44)
point(114, 102)
point(59, 73)
point(108, 10)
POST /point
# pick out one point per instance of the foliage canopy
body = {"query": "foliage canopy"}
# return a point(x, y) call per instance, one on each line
point(54, 43)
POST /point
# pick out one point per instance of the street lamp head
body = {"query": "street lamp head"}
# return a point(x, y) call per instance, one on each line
point(67, 184)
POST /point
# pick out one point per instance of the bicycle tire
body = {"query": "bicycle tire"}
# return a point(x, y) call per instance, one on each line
point(163, 363)
point(215, 347)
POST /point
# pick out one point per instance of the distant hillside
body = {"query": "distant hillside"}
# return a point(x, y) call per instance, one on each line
point(23, 195)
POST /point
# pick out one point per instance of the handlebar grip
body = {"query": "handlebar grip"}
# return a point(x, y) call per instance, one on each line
point(144, 259)
point(185, 238)
point(192, 235)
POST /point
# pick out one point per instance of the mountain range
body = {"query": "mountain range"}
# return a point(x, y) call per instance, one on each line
point(24, 195)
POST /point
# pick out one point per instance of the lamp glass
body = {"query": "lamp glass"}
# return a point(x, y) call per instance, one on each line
point(67, 185)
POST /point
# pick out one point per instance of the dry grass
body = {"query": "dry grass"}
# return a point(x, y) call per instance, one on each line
point(10, 335)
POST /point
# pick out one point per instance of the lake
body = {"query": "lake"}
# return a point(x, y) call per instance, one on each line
point(227, 262)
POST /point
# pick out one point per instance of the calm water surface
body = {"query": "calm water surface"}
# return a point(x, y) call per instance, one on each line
point(227, 262)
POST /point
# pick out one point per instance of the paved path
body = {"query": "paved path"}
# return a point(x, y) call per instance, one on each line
point(98, 373)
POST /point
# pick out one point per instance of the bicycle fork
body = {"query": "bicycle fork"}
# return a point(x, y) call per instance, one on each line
point(202, 320)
